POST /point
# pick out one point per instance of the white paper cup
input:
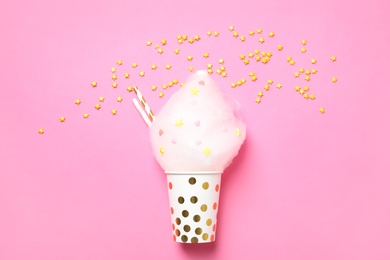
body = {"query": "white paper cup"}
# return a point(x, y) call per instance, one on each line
point(194, 201)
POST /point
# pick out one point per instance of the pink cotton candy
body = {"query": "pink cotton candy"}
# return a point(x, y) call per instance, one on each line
point(198, 129)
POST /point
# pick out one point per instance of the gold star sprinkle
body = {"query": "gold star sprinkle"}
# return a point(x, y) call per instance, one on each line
point(154, 67)
point(142, 73)
point(254, 78)
point(259, 30)
point(191, 40)
point(296, 74)
point(119, 62)
point(312, 96)
point(270, 81)
point(334, 79)
point(114, 85)
point(235, 34)
point(156, 46)
point(113, 112)
point(304, 42)
point(148, 43)
point(85, 115)
point(127, 75)
point(185, 37)
point(307, 78)
point(289, 59)
point(165, 86)
point(224, 74)
point(303, 50)
point(251, 55)
point(191, 69)
point(271, 34)
point(206, 55)
point(206, 151)
point(62, 119)
point(119, 99)
point(209, 33)
point(41, 131)
point(163, 42)
point(314, 71)
point(292, 62)
point(190, 58)
point(101, 99)
point(231, 28)
point(160, 50)
point(221, 61)
point(180, 41)
point(154, 88)
point(233, 85)
point(210, 71)
point(333, 58)
point(251, 33)
point(97, 106)
point(238, 132)
point(242, 56)
point(114, 77)
point(242, 38)
point(246, 62)
point(280, 47)
point(176, 51)
point(261, 40)
point(306, 96)
point(218, 71)
point(258, 58)
point(129, 88)
point(77, 102)
point(308, 72)
point(194, 91)
point(301, 91)
point(197, 37)
point(258, 100)
point(297, 88)
point(175, 81)
point(279, 85)
point(313, 61)
point(179, 122)
point(216, 34)
point(134, 65)
point(301, 70)
point(260, 94)
point(306, 88)
point(94, 84)
point(266, 87)
point(182, 84)
point(209, 66)
point(113, 69)
point(168, 66)
point(162, 150)
point(322, 110)
point(160, 95)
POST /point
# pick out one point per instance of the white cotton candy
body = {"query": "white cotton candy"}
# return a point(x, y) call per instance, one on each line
point(198, 129)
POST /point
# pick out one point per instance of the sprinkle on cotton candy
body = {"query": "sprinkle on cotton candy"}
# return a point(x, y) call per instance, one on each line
point(199, 128)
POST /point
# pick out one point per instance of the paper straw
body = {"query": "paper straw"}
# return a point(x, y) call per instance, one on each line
point(142, 112)
point(143, 102)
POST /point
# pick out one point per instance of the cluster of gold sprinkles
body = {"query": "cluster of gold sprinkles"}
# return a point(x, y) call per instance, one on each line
point(262, 56)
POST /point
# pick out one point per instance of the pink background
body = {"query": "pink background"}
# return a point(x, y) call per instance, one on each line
point(304, 186)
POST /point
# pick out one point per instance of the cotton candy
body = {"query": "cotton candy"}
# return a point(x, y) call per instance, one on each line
point(199, 128)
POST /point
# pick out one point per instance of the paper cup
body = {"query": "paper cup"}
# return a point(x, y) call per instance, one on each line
point(194, 201)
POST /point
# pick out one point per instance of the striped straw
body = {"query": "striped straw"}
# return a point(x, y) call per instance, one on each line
point(143, 102)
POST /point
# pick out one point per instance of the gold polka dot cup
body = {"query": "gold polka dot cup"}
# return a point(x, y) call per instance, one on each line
point(194, 199)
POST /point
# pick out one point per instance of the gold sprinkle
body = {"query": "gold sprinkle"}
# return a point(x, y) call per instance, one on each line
point(218, 71)
point(258, 100)
point(251, 55)
point(289, 59)
point(175, 81)
point(185, 37)
point(297, 88)
point(313, 61)
point(127, 75)
point(154, 67)
point(238, 132)
point(148, 43)
point(308, 72)
point(191, 40)
point(191, 68)
point(94, 84)
point(243, 80)
point(163, 42)
point(119, 99)
point(209, 66)
point(322, 110)
point(254, 78)
point(113, 112)
point(177, 51)
point(114, 85)
point(216, 34)
point(119, 62)
point(160, 95)
point(334, 79)
point(259, 31)
point(251, 33)
point(242, 38)
point(142, 73)
point(261, 40)
point(160, 51)
point(164, 86)
point(209, 33)
point(306, 96)
point(97, 106)
point(62, 119)
point(306, 88)
point(333, 58)
point(270, 81)
point(266, 87)
point(154, 88)
point(194, 91)
point(134, 65)
point(301, 91)
point(179, 122)
point(312, 96)
point(260, 94)
point(85, 115)
point(314, 71)
point(292, 62)
point(296, 74)
point(223, 74)
point(304, 42)
point(246, 61)
point(235, 34)
point(101, 99)
point(221, 61)
point(129, 88)
point(156, 46)
point(114, 77)
point(190, 58)
point(182, 84)
point(41, 131)
point(206, 151)
point(279, 85)
point(231, 28)
point(162, 150)
point(113, 69)
point(210, 71)
point(280, 47)
point(307, 78)
point(77, 102)
point(233, 85)
point(168, 66)
point(301, 70)
point(197, 37)
point(258, 58)
point(206, 55)
point(271, 34)
point(303, 50)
